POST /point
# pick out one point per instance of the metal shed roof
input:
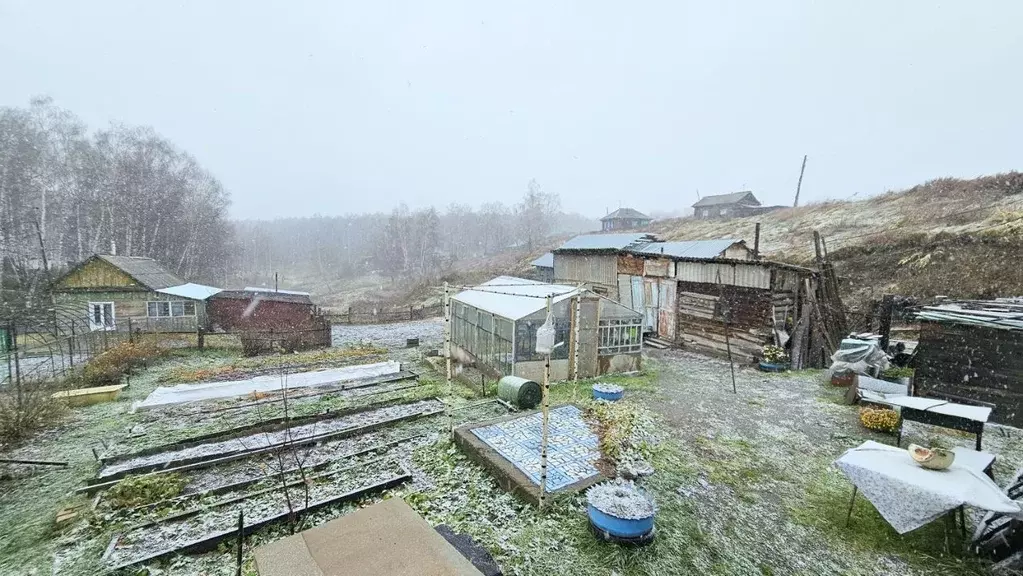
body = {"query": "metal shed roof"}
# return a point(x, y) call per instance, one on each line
point(545, 261)
point(606, 241)
point(514, 298)
point(687, 248)
point(191, 291)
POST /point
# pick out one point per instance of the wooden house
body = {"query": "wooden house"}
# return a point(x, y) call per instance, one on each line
point(624, 219)
point(109, 292)
point(734, 205)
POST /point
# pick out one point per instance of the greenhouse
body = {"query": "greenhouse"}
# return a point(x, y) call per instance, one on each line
point(493, 327)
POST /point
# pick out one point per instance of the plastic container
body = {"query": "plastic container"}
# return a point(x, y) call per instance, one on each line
point(519, 391)
point(768, 367)
point(620, 527)
point(610, 396)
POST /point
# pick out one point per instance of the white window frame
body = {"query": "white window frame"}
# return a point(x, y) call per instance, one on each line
point(104, 323)
point(170, 308)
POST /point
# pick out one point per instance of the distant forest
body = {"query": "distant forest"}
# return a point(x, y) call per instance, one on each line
point(66, 193)
point(407, 244)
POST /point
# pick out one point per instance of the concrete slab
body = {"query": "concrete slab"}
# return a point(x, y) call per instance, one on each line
point(386, 539)
point(517, 469)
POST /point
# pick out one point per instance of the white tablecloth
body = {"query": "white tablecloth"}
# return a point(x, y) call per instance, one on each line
point(908, 495)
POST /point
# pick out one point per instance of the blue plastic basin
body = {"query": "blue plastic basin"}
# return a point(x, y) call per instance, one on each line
point(611, 397)
point(768, 367)
point(619, 526)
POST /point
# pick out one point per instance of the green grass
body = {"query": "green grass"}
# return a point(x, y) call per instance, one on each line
point(825, 506)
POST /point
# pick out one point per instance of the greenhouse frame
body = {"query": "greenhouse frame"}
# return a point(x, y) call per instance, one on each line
point(493, 327)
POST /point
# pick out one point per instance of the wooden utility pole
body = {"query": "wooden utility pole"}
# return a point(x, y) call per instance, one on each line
point(800, 183)
point(756, 242)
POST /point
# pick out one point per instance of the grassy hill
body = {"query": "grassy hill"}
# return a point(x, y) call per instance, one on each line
point(951, 237)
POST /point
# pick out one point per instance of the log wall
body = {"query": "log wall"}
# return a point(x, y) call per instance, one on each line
point(700, 322)
point(974, 363)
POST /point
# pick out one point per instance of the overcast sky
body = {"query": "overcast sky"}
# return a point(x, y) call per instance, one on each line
point(332, 107)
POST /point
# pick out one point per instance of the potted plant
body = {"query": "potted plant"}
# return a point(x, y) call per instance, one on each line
point(898, 374)
point(619, 509)
point(774, 359)
point(609, 392)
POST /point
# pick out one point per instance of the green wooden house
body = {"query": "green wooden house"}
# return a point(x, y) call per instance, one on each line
point(108, 292)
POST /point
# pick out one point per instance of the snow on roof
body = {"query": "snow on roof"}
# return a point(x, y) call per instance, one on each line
point(191, 291)
point(292, 292)
point(605, 241)
point(726, 199)
point(545, 261)
point(514, 298)
point(626, 213)
point(688, 248)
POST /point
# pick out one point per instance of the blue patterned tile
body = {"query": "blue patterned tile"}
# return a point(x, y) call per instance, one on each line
point(571, 448)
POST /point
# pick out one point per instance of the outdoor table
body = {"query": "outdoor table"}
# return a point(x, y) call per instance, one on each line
point(908, 495)
point(970, 419)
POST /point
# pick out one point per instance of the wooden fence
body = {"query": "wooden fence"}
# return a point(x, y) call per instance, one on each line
point(383, 316)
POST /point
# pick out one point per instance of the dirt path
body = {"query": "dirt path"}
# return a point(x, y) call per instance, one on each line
point(761, 455)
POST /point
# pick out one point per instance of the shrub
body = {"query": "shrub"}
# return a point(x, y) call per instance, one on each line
point(879, 419)
point(110, 366)
point(138, 490)
point(26, 408)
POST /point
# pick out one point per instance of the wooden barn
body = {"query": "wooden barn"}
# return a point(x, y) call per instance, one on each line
point(109, 292)
point(266, 319)
point(972, 353)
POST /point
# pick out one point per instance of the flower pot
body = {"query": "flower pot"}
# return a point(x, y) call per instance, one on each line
point(769, 367)
point(843, 378)
point(611, 394)
point(620, 527)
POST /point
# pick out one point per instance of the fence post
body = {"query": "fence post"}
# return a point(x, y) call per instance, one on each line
point(410, 312)
point(71, 344)
point(17, 367)
point(10, 350)
point(131, 336)
point(200, 337)
point(349, 314)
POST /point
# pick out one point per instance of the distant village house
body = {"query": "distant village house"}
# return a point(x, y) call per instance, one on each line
point(543, 268)
point(624, 219)
point(735, 205)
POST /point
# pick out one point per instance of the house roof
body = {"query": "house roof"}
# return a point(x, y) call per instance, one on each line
point(688, 248)
point(628, 213)
point(732, 198)
point(145, 271)
point(269, 296)
point(291, 292)
point(606, 241)
point(191, 291)
point(514, 298)
point(545, 261)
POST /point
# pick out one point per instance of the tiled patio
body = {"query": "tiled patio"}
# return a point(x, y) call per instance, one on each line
point(571, 448)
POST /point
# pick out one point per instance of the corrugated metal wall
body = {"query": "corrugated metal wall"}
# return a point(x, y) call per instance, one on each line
point(598, 271)
point(745, 275)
